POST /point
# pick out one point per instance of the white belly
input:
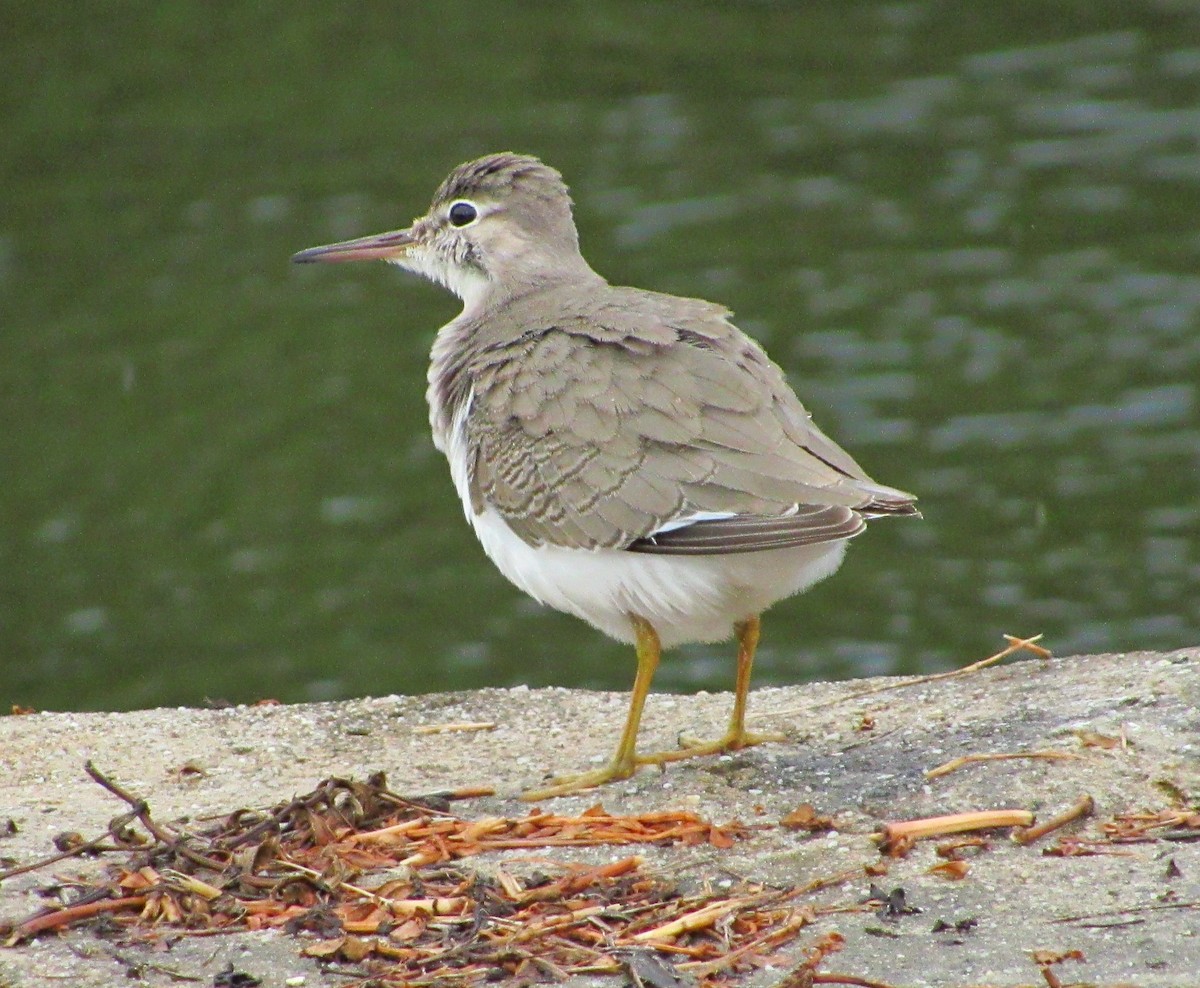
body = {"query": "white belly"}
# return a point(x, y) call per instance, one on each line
point(685, 598)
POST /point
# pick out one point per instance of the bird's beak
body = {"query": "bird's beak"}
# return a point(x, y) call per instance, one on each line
point(378, 246)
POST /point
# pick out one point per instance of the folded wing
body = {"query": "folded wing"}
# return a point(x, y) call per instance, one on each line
point(667, 431)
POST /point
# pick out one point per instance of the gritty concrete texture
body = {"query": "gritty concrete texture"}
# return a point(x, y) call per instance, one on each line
point(1143, 903)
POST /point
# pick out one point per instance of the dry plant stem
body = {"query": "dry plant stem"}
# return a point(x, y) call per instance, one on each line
point(702, 969)
point(316, 876)
point(817, 884)
point(698, 920)
point(465, 727)
point(470, 792)
point(1015, 645)
point(190, 883)
point(955, 823)
point(72, 914)
point(1084, 807)
point(557, 923)
point(1104, 914)
point(702, 918)
point(272, 822)
point(95, 844)
point(956, 763)
point(399, 828)
point(141, 809)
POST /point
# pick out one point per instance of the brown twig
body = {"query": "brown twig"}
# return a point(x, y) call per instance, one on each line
point(96, 844)
point(1083, 807)
point(72, 914)
point(1014, 645)
point(1155, 907)
point(954, 823)
point(698, 919)
point(464, 727)
point(956, 763)
point(817, 884)
point(141, 809)
point(275, 819)
point(781, 934)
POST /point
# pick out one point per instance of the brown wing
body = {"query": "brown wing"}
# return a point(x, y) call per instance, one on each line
point(608, 426)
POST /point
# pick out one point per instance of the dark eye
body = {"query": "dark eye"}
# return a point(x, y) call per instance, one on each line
point(462, 213)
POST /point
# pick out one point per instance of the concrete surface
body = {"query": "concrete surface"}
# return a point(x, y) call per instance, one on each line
point(1145, 913)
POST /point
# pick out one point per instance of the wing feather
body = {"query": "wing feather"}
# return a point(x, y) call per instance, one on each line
point(637, 413)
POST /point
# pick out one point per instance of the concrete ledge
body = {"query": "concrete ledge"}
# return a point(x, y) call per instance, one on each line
point(1145, 914)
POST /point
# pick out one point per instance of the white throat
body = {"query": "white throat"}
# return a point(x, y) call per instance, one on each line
point(465, 282)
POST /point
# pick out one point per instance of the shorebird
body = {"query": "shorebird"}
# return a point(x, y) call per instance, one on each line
point(626, 456)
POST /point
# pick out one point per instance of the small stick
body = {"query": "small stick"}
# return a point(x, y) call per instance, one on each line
point(397, 907)
point(95, 844)
point(697, 920)
point(817, 884)
point(706, 916)
point(555, 924)
point(704, 969)
point(398, 828)
point(190, 883)
point(469, 792)
point(466, 726)
point(1192, 904)
point(954, 823)
point(1014, 645)
point(956, 763)
point(141, 809)
point(71, 914)
point(273, 820)
point(1085, 806)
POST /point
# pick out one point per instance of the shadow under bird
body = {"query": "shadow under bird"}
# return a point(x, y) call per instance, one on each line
point(628, 457)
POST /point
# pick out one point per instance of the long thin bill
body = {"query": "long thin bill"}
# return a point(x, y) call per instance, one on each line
point(377, 247)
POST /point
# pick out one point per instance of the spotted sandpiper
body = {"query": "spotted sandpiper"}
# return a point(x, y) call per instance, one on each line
point(628, 457)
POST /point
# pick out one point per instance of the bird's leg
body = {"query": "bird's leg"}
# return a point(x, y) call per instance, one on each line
point(625, 761)
point(736, 736)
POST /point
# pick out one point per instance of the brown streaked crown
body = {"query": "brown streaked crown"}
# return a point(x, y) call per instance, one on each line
point(532, 195)
point(496, 176)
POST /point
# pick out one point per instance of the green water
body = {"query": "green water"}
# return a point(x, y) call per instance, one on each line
point(970, 233)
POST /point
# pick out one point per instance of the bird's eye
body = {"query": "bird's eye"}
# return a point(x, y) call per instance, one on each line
point(462, 213)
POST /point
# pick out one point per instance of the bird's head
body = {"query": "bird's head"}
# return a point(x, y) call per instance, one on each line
point(500, 223)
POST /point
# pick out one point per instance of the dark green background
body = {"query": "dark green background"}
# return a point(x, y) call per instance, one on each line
point(970, 233)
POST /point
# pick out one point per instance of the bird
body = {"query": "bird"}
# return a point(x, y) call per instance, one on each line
point(625, 456)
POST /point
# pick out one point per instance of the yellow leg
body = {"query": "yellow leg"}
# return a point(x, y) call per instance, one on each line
point(736, 736)
point(625, 762)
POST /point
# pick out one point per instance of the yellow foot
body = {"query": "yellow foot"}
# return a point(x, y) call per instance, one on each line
point(729, 741)
point(567, 784)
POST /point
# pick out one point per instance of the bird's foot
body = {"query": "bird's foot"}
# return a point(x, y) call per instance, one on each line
point(565, 785)
point(618, 769)
point(731, 740)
